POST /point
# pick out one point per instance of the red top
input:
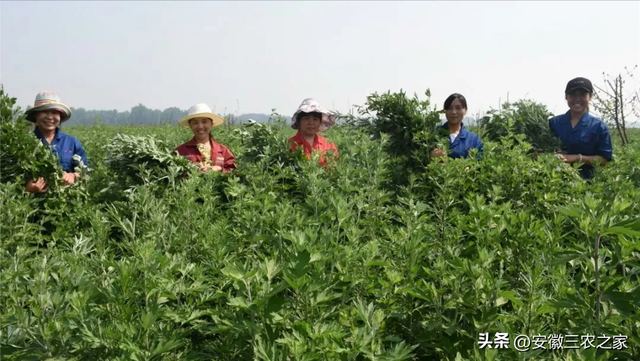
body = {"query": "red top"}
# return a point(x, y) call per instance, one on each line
point(220, 155)
point(319, 143)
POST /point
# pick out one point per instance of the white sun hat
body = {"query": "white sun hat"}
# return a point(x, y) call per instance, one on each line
point(310, 105)
point(200, 110)
point(48, 100)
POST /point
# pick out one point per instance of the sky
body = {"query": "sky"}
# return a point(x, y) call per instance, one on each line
point(251, 57)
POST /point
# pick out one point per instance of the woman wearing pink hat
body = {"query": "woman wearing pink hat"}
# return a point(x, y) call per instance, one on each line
point(202, 148)
point(47, 113)
point(311, 119)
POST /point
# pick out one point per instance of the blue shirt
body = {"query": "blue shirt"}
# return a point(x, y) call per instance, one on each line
point(464, 142)
point(64, 146)
point(590, 136)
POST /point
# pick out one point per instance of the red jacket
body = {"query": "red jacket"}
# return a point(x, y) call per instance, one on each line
point(220, 155)
point(319, 143)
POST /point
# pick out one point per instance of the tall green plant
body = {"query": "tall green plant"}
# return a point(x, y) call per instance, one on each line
point(145, 160)
point(22, 155)
point(525, 117)
point(412, 128)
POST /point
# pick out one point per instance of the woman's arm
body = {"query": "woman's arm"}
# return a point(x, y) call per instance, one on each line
point(579, 158)
point(229, 161)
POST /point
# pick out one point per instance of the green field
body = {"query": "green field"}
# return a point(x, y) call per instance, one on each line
point(285, 260)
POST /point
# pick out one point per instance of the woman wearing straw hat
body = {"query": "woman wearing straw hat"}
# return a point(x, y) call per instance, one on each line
point(202, 148)
point(311, 119)
point(47, 113)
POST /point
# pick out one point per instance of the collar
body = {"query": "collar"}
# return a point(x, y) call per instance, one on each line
point(57, 136)
point(582, 122)
point(463, 130)
point(317, 139)
point(194, 143)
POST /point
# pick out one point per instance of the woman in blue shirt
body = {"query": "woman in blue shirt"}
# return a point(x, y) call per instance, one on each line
point(47, 113)
point(585, 138)
point(461, 140)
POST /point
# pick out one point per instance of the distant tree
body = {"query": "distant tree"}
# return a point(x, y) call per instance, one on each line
point(614, 106)
point(172, 115)
point(140, 114)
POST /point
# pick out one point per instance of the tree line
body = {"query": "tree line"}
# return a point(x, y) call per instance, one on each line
point(141, 115)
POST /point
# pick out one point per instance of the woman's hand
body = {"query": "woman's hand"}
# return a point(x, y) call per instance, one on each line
point(69, 178)
point(436, 153)
point(210, 168)
point(567, 158)
point(39, 186)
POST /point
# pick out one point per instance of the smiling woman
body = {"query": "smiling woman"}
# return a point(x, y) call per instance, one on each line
point(461, 140)
point(202, 148)
point(585, 138)
point(47, 113)
point(311, 119)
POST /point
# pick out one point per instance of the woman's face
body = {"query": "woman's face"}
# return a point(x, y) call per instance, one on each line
point(47, 120)
point(456, 112)
point(310, 124)
point(578, 100)
point(201, 127)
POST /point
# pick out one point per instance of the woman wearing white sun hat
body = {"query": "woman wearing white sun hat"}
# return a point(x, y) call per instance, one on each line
point(47, 113)
point(311, 119)
point(202, 148)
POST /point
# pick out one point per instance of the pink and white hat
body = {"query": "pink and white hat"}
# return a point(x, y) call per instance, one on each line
point(47, 100)
point(310, 105)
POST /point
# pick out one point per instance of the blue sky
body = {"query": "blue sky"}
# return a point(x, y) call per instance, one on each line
point(264, 55)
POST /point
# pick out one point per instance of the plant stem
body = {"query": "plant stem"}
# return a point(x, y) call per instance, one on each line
point(596, 257)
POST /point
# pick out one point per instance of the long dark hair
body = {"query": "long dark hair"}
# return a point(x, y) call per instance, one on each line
point(454, 96)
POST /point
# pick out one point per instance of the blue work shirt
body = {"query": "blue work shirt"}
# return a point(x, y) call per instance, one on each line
point(590, 136)
point(465, 141)
point(64, 146)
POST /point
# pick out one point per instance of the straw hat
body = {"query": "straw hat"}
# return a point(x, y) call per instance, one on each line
point(310, 105)
point(47, 100)
point(200, 110)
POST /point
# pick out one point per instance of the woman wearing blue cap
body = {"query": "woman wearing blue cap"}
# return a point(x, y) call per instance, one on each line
point(586, 139)
point(47, 113)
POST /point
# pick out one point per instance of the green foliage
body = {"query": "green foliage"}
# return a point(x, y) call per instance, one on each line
point(261, 141)
point(525, 117)
point(411, 127)
point(22, 155)
point(145, 160)
point(285, 260)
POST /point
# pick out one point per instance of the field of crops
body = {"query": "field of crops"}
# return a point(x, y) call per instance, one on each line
point(378, 258)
